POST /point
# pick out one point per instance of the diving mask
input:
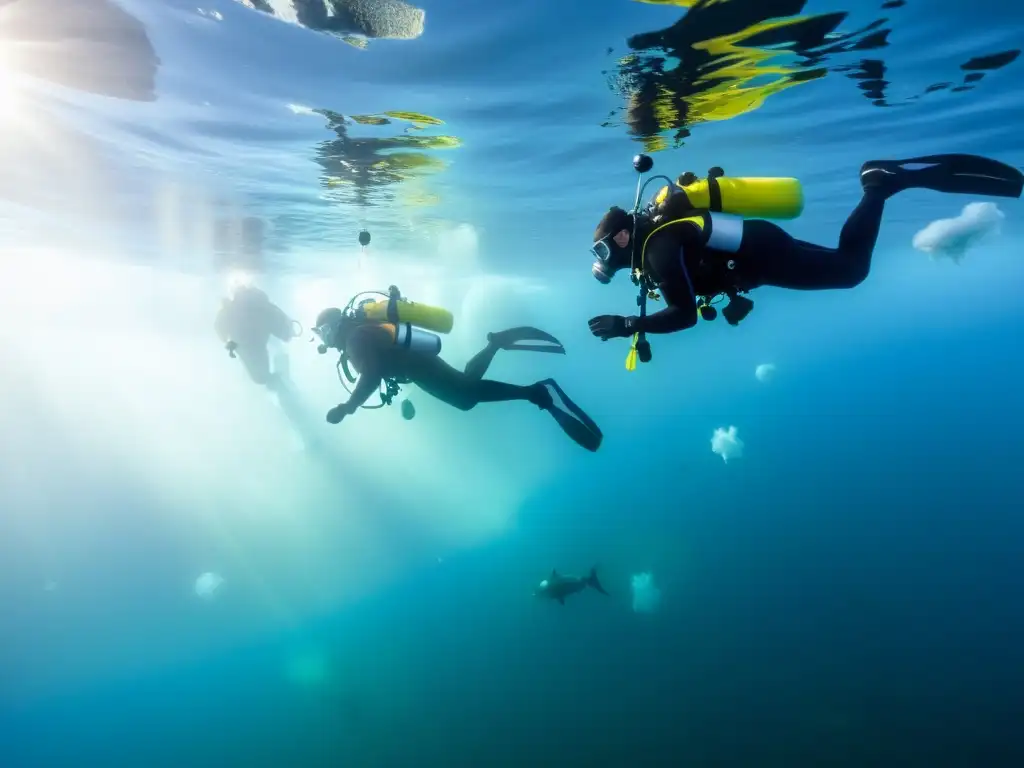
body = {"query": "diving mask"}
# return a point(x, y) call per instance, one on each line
point(326, 333)
point(329, 328)
point(609, 258)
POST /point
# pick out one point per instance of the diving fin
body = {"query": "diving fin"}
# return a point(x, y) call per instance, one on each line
point(954, 174)
point(511, 338)
point(576, 424)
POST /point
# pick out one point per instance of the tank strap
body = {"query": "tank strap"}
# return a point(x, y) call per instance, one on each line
point(698, 220)
point(392, 313)
point(714, 195)
point(403, 340)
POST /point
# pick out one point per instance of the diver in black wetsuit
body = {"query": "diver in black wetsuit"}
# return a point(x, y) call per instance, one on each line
point(245, 322)
point(692, 256)
point(372, 350)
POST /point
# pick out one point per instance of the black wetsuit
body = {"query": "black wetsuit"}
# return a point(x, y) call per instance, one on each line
point(683, 268)
point(374, 355)
point(767, 255)
point(372, 350)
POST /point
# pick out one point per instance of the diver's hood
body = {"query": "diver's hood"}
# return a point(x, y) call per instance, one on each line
point(609, 257)
point(247, 295)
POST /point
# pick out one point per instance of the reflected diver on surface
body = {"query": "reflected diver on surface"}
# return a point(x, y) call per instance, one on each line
point(367, 169)
point(690, 247)
point(725, 58)
point(394, 341)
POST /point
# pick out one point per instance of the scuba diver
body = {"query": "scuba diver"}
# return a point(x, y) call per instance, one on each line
point(244, 323)
point(393, 341)
point(683, 249)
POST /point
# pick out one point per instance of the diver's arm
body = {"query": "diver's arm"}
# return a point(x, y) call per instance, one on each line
point(368, 384)
point(364, 349)
point(667, 320)
point(680, 311)
point(281, 323)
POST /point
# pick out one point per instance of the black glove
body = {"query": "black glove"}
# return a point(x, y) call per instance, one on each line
point(611, 327)
point(337, 413)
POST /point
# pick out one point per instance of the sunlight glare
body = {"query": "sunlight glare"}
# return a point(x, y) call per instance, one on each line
point(239, 279)
point(10, 95)
point(155, 398)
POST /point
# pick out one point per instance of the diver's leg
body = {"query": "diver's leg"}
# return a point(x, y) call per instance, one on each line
point(512, 339)
point(435, 377)
point(490, 391)
point(481, 361)
point(777, 259)
point(256, 360)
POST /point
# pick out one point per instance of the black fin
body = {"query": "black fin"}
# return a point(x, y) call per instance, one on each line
point(953, 174)
point(593, 581)
point(554, 574)
point(510, 340)
point(576, 424)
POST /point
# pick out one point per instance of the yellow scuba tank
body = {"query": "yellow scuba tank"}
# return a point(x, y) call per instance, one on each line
point(752, 198)
point(400, 311)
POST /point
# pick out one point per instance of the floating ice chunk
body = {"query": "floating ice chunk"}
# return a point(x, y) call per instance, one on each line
point(646, 595)
point(726, 444)
point(952, 238)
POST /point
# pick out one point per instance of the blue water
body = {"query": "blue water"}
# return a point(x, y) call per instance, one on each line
point(845, 593)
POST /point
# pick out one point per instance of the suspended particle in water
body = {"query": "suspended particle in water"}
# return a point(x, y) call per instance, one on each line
point(208, 585)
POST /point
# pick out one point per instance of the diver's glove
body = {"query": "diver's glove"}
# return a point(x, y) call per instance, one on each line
point(231, 346)
point(337, 413)
point(612, 326)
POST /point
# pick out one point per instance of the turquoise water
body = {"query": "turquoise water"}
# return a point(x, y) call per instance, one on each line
point(846, 592)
